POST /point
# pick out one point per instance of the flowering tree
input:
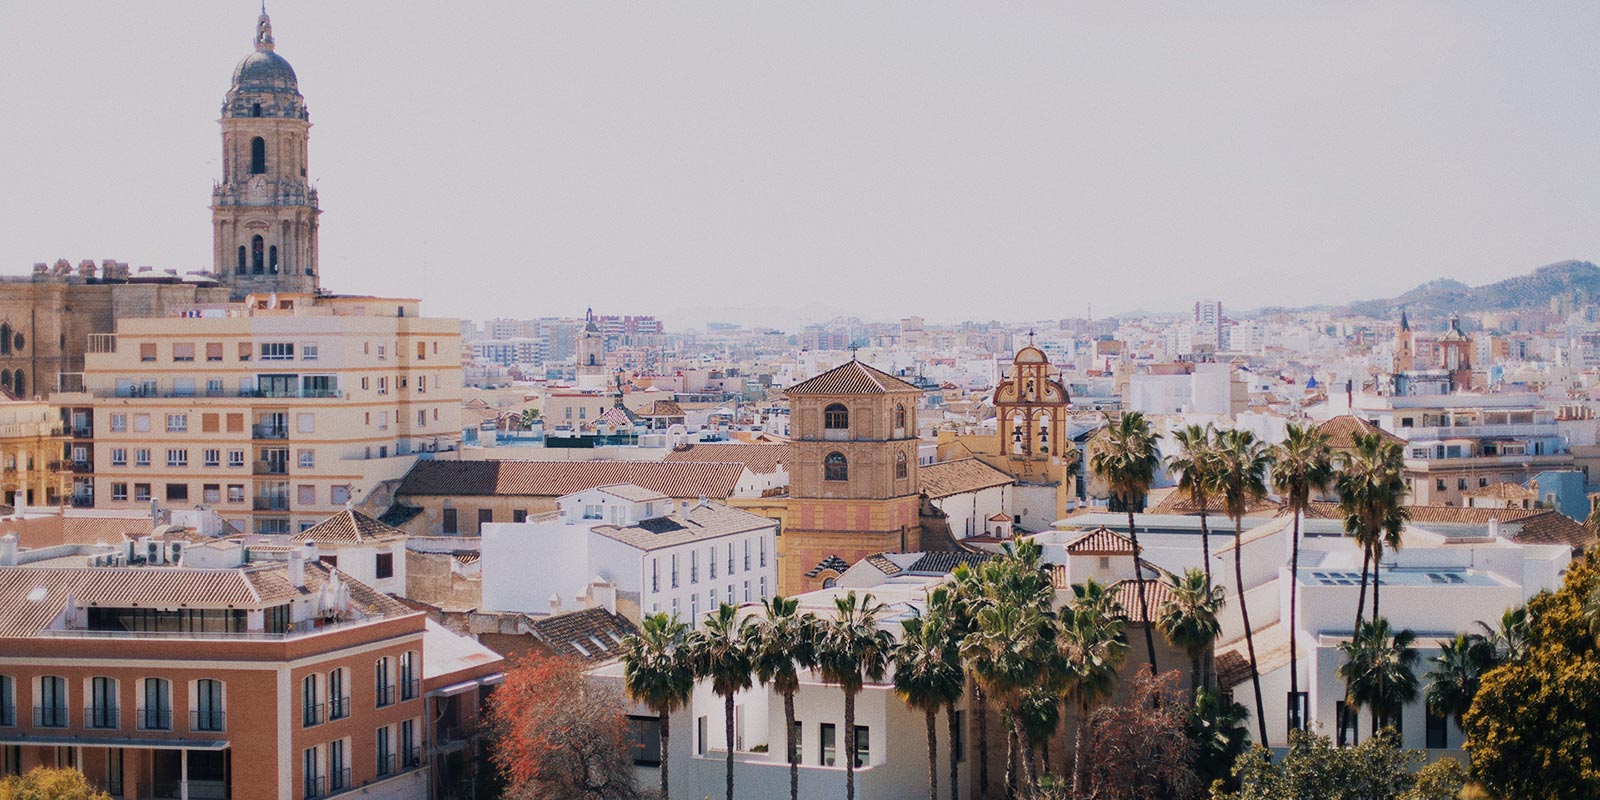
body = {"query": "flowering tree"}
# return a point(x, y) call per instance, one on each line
point(1139, 748)
point(56, 784)
point(560, 735)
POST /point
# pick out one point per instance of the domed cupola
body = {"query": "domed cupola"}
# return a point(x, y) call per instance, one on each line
point(264, 85)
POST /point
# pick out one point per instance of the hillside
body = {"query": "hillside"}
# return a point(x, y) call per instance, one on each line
point(1441, 297)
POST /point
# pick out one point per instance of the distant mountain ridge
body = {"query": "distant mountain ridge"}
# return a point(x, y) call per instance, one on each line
point(1438, 298)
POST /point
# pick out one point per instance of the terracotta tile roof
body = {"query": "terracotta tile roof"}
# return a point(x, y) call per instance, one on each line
point(1548, 526)
point(681, 480)
point(1342, 429)
point(52, 529)
point(593, 634)
point(1323, 509)
point(943, 562)
point(759, 458)
point(832, 562)
point(348, 527)
point(661, 408)
point(1505, 490)
point(709, 521)
point(852, 377)
point(948, 478)
point(1101, 541)
point(631, 493)
point(1176, 502)
point(883, 564)
point(1127, 593)
point(466, 556)
point(1272, 652)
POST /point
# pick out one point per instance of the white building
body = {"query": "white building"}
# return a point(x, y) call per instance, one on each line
point(657, 554)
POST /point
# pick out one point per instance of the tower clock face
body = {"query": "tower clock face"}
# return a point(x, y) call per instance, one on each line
point(257, 187)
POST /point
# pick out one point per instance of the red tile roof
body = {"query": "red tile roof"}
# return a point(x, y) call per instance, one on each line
point(1101, 541)
point(852, 377)
point(759, 458)
point(348, 527)
point(1341, 431)
point(948, 478)
point(1127, 593)
point(681, 480)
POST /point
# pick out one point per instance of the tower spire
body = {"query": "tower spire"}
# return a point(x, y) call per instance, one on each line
point(264, 29)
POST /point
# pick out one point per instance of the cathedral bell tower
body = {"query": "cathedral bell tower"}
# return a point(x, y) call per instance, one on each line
point(264, 211)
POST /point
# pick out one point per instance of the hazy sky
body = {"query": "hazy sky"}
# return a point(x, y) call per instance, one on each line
point(756, 161)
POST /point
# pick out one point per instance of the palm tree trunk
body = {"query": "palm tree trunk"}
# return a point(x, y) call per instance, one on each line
point(1138, 579)
point(1294, 590)
point(1194, 678)
point(1205, 546)
point(1029, 777)
point(1011, 758)
point(727, 726)
point(793, 753)
point(849, 745)
point(1377, 579)
point(1361, 601)
point(1044, 757)
point(955, 736)
point(1077, 750)
point(666, 750)
point(1249, 636)
point(933, 754)
point(983, 742)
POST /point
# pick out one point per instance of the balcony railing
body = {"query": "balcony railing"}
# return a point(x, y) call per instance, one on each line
point(81, 501)
point(385, 696)
point(412, 757)
point(271, 394)
point(338, 780)
point(8, 716)
point(409, 689)
point(81, 466)
point(155, 719)
point(386, 764)
point(269, 431)
point(82, 432)
point(270, 503)
point(1514, 429)
point(338, 707)
point(316, 786)
point(102, 717)
point(208, 720)
point(269, 468)
point(311, 715)
point(50, 716)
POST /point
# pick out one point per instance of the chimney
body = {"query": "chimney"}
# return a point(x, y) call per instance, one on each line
point(313, 555)
point(555, 603)
point(297, 569)
point(8, 550)
point(603, 593)
point(19, 503)
point(1494, 528)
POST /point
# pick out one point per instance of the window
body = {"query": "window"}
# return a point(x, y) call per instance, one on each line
point(211, 494)
point(102, 710)
point(383, 680)
point(1438, 732)
point(798, 734)
point(899, 415)
point(258, 156)
point(835, 468)
point(863, 745)
point(51, 711)
point(1461, 484)
point(385, 752)
point(183, 351)
point(308, 459)
point(1299, 702)
point(141, 423)
point(147, 351)
point(747, 591)
point(277, 351)
point(900, 468)
point(711, 562)
point(449, 523)
point(339, 495)
point(245, 349)
point(761, 548)
point(156, 711)
point(1345, 721)
point(314, 784)
point(119, 492)
point(384, 566)
point(746, 555)
point(213, 351)
point(141, 457)
point(308, 351)
point(212, 457)
point(694, 566)
point(114, 771)
point(836, 417)
point(141, 493)
point(338, 771)
point(1438, 484)
point(236, 493)
point(119, 423)
point(235, 421)
point(235, 458)
point(519, 515)
point(306, 494)
point(828, 744)
point(485, 515)
point(310, 702)
point(119, 456)
point(700, 736)
point(177, 458)
point(338, 695)
point(730, 558)
point(645, 740)
point(208, 709)
point(178, 492)
point(958, 739)
point(674, 571)
point(763, 587)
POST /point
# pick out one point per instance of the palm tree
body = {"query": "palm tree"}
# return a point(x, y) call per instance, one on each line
point(1093, 647)
point(782, 645)
point(1591, 612)
point(1008, 649)
point(1458, 668)
point(720, 650)
point(1126, 459)
point(1196, 475)
point(1302, 464)
point(1242, 463)
point(1038, 714)
point(529, 418)
point(1509, 640)
point(928, 674)
point(965, 599)
point(1379, 670)
point(1372, 490)
point(1217, 727)
point(1188, 618)
point(852, 648)
point(656, 673)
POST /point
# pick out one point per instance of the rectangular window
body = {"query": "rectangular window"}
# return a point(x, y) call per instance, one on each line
point(385, 752)
point(114, 785)
point(177, 423)
point(711, 562)
point(828, 745)
point(1345, 720)
point(747, 591)
point(958, 738)
point(308, 459)
point(863, 745)
point(213, 351)
point(746, 556)
point(244, 351)
point(183, 351)
point(212, 457)
point(338, 772)
point(178, 492)
point(694, 566)
point(147, 351)
point(177, 458)
point(277, 351)
point(700, 736)
point(730, 558)
point(141, 493)
point(485, 515)
point(384, 682)
point(385, 566)
point(763, 587)
point(211, 494)
point(236, 493)
point(674, 572)
point(141, 457)
point(235, 423)
point(315, 786)
point(119, 423)
point(119, 492)
point(308, 351)
point(761, 544)
point(209, 423)
point(103, 703)
point(519, 515)
point(310, 702)
point(119, 456)
point(449, 523)
point(235, 458)
point(306, 495)
point(141, 423)
point(156, 713)
point(645, 740)
point(799, 742)
point(1438, 732)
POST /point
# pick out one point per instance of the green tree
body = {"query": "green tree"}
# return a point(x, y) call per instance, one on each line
point(852, 648)
point(529, 418)
point(1196, 478)
point(1216, 726)
point(1092, 646)
point(1126, 457)
point(1039, 714)
point(929, 676)
point(966, 597)
point(1508, 639)
point(43, 783)
point(1534, 728)
point(1372, 491)
point(720, 651)
point(1379, 671)
point(1242, 463)
point(1456, 674)
point(1302, 465)
point(1188, 618)
point(656, 672)
point(782, 644)
point(1008, 649)
point(1313, 769)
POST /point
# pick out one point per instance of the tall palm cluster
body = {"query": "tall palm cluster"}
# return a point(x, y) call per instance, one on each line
point(991, 640)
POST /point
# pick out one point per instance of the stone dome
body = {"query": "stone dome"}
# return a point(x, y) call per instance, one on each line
point(265, 71)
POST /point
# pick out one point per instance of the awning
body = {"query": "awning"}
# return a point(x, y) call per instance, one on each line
point(136, 744)
point(457, 688)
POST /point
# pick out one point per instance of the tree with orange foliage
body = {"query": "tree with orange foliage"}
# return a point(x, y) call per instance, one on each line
point(559, 734)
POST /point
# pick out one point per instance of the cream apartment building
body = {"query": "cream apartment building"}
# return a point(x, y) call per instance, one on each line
point(275, 413)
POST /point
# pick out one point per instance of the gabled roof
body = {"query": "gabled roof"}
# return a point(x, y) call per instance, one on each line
point(1101, 541)
point(348, 527)
point(759, 458)
point(631, 493)
point(832, 562)
point(1548, 526)
point(661, 408)
point(1272, 652)
point(948, 478)
point(852, 377)
point(700, 522)
point(1127, 593)
point(1341, 431)
point(943, 562)
point(593, 634)
point(1505, 490)
point(682, 480)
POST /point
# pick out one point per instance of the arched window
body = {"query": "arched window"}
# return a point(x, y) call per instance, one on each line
point(258, 156)
point(242, 261)
point(5, 379)
point(836, 418)
point(258, 254)
point(272, 259)
point(255, 109)
point(5, 339)
point(208, 708)
point(899, 415)
point(17, 341)
point(21, 389)
point(835, 468)
point(155, 712)
point(829, 583)
point(900, 468)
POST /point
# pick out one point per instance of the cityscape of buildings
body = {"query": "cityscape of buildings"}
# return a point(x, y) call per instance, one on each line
point(262, 539)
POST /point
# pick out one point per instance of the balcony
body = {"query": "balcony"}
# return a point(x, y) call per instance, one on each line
point(83, 432)
point(410, 689)
point(103, 718)
point(385, 696)
point(269, 503)
point(82, 467)
point(1513, 430)
point(411, 758)
point(338, 708)
point(210, 721)
point(386, 764)
point(316, 787)
point(8, 716)
point(81, 501)
point(269, 468)
point(311, 715)
point(339, 780)
point(270, 432)
point(50, 716)
point(154, 719)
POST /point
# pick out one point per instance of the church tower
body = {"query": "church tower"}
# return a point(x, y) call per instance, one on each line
point(1405, 346)
point(264, 210)
point(853, 486)
point(592, 371)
